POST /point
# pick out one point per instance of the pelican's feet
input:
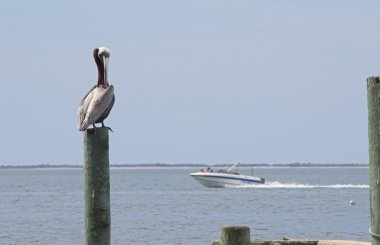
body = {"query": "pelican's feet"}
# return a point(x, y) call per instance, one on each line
point(103, 126)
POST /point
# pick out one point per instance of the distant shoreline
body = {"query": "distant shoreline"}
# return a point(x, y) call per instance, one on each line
point(189, 165)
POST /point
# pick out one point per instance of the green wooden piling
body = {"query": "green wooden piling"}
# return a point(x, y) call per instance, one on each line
point(373, 100)
point(235, 235)
point(97, 187)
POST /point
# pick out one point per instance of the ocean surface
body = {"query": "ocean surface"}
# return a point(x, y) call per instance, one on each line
point(167, 206)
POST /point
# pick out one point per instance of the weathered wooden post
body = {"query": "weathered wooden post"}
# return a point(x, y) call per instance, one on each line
point(373, 97)
point(235, 235)
point(97, 187)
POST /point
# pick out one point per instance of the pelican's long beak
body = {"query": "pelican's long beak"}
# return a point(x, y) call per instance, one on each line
point(105, 63)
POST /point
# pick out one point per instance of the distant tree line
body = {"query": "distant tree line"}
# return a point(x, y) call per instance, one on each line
point(194, 165)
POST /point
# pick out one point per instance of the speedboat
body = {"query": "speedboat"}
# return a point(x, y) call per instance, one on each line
point(225, 178)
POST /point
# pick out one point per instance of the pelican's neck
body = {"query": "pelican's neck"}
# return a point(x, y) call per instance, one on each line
point(105, 71)
point(100, 66)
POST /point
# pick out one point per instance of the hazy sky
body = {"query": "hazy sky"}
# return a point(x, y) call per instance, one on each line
point(195, 81)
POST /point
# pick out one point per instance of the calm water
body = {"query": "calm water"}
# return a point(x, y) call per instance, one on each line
point(166, 206)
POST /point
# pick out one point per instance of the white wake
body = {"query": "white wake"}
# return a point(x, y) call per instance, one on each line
point(278, 185)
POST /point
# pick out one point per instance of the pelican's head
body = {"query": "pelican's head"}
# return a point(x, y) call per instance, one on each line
point(104, 52)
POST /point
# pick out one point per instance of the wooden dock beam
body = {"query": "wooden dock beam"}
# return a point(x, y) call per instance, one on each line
point(301, 242)
point(373, 100)
point(240, 235)
point(97, 187)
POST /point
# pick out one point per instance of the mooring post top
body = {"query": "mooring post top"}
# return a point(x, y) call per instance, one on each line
point(373, 80)
point(97, 130)
point(233, 228)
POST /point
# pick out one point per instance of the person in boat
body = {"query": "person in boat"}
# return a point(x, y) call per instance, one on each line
point(208, 170)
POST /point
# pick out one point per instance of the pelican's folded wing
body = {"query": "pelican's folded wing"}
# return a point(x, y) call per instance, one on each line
point(101, 99)
point(83, 107)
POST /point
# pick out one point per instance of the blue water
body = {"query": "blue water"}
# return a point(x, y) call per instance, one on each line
point(167, 206)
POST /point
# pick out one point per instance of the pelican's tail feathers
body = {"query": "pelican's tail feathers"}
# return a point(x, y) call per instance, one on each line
point(84, 125)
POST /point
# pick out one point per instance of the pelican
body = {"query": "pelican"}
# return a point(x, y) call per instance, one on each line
point(97, 103)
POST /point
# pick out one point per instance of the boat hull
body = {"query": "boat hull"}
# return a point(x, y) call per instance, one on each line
point(225, 180)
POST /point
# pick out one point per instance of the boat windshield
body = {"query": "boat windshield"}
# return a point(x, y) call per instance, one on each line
point(227, 172)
